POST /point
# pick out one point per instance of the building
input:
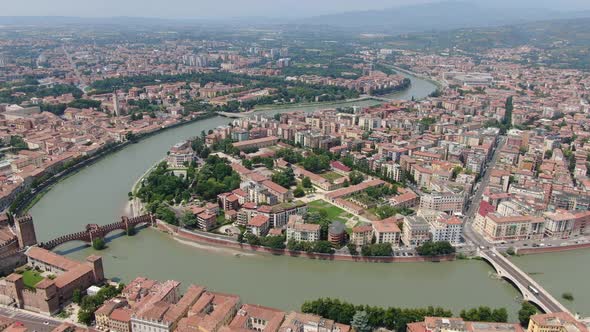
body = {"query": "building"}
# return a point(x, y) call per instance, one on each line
point(450, 202)
point(445, 228)
point(281, 193)
point(440, 324)
point(336, 233)
point(279, 214)
point(497, 228)
point(120, 320)
point(344, 192)
point(181, 154)
point(103, 314)
point(256, 143)
point(362, 235)
point(416, 231)
point(210, 313)
point(299, 322)
point(259, 225)
point(228, 201)
point(565, 224)
point(206, 221)
point(387, 231)
point(555, 322)
point(298, 230)
point(50, 295)
point(257, 318)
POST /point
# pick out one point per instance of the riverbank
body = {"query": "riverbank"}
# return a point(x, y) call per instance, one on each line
point(424, 77)
point(544, 250)
point(38, 192)
point(312, 104)
point(220, 241)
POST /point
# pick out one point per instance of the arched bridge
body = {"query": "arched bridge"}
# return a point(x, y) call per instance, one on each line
point(94, 231)
point(529, 288)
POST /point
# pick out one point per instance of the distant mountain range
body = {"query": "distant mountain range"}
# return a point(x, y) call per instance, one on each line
point(439, 16)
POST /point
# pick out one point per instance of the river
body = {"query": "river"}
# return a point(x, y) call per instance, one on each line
point(98, 194)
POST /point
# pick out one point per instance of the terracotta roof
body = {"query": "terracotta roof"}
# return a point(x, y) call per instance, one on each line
point(121, 315)
point(275, 187)
point(386, 226)
point(51, 258)
point(258, 221)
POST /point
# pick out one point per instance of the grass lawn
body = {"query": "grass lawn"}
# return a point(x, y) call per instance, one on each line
point(31, 278)
point(334, 212)
point(331, 176)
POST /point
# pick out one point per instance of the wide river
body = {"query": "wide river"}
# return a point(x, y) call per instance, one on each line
point(98, 194)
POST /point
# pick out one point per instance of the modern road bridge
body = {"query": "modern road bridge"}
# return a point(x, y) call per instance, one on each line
point(529, 288)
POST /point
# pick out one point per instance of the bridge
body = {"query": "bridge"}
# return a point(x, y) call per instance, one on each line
point(94, 231)
point(529, 288)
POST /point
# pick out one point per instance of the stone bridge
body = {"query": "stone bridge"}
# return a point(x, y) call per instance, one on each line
point(94, 231)
point(529, 288)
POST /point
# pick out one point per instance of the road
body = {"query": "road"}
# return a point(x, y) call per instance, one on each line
point(543, 297)
point(73, 66)
point(34, 322)
point(468, 231)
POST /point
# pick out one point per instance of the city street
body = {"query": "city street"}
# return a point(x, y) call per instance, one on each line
point(469, 233)
point(34, 322)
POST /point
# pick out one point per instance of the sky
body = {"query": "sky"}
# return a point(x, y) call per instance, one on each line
point(236, 8)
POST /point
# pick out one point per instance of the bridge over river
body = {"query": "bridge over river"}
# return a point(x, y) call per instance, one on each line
point(528, 287)
point(94, 231)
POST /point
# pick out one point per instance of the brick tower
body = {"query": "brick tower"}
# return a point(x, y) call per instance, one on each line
point(96, 263)
point(25, 231)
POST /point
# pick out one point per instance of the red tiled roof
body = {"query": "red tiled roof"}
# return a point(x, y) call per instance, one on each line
point(485, 208)
point(258, 221)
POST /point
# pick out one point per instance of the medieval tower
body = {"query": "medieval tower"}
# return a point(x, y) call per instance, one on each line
point(25, 231)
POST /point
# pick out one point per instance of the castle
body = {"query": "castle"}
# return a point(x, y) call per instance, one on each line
point(14, 241)
point(61, 276)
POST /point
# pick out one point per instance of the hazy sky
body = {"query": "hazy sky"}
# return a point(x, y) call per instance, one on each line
point(232, 8)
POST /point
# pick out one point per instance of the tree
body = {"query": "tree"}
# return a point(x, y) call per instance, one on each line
point(377, 250)
point(188, 219)
point(247, 163)
point(77, 296)
point(285, 179)
point(298, 192)
point(130, 136)
point(356, 177)
point(306, 182)
point(98, 244)
point(430, 248)
point(548, 154)
point(316, 163)
point(525, 313)
point(360, 322)
point(485, 314)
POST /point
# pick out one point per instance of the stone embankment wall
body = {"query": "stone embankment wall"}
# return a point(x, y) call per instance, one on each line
point(542, 250)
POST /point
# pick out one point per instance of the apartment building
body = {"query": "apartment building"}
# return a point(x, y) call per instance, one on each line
point(362, 235)
point(298, 230)
point(555, 322)
point(450, 202)
point(445, 228)
point(416, 231)
point(497, 228)
point(387, 231)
